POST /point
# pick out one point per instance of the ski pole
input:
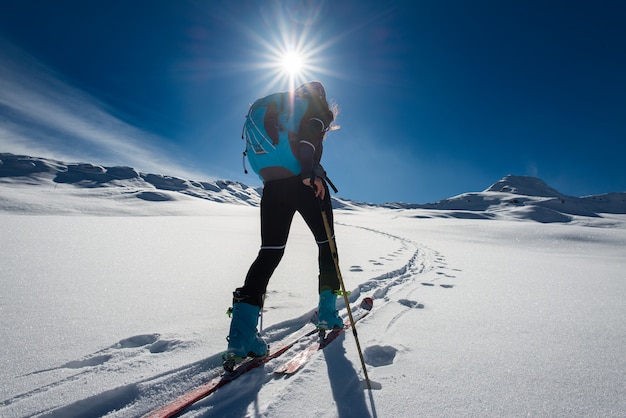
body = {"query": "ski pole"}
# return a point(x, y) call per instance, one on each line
point(333, 250)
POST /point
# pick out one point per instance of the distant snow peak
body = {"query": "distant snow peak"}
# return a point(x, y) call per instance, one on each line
point(524, 185)
point(524, 198)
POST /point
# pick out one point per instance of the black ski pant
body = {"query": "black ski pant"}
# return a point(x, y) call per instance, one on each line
point(280, 201)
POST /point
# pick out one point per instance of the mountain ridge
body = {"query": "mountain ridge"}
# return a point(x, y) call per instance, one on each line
point(522, 197)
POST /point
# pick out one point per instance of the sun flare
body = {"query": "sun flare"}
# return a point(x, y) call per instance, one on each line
point(288, 54)
point(292, 64)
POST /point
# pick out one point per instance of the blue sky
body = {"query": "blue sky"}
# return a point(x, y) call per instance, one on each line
point(437, 97)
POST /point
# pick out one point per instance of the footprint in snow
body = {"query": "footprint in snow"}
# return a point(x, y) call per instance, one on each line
point(356, 268)
point(378, 355)
point(445, 286)
point(89, 362)
point(137, 341)
point(162, 346)
point(97, 360)
point(411, 304)
point(151, 341)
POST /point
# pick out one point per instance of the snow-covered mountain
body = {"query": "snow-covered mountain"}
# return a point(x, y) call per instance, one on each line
point(524, 197)
point(121, 187)
point(518, 197)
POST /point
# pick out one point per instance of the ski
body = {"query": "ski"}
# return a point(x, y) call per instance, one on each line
point(296, 363)
point(185, 401)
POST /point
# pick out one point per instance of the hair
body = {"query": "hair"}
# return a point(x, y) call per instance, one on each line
point(334, 109)
point(316, 90)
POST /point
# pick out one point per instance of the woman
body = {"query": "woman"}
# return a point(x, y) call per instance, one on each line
point(284, 194)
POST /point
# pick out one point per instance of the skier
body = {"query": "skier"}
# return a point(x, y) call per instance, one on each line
point(284, 194)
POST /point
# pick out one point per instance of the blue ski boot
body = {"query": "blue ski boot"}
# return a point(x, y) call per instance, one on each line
point(327, 317)
point(243, 339)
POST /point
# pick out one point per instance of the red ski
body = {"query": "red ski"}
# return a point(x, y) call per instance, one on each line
point(183, 402)
point(296, 363)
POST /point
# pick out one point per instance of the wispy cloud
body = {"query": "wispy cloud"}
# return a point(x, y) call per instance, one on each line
point(40, 114)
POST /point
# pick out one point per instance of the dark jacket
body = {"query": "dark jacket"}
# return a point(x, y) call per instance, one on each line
point(313, 128)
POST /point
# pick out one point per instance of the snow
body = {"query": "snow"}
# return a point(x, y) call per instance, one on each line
point(115, 285)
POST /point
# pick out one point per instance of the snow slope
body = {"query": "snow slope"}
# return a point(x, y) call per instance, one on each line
point(492, 308)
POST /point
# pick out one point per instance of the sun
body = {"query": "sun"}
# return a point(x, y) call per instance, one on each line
point(292, 64)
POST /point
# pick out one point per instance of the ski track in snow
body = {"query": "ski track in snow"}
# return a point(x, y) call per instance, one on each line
point(139, 397)
point(241, 397)
point(237, 398)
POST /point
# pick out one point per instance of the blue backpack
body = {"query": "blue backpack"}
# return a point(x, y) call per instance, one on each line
point(271, 129)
